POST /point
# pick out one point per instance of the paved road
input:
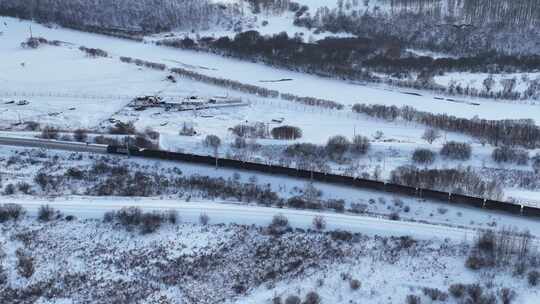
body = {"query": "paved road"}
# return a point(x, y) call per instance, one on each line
point(52, 144)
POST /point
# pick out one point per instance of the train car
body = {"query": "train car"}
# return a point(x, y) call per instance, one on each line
point(435, 195)
point(400, 189)
point(531, 211)
point(467, 200)
point(502, 206)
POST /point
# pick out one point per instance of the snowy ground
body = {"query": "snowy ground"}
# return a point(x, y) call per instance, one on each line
point(92, 261)
point(251, 73)
point(86, 92)
point(71, 194)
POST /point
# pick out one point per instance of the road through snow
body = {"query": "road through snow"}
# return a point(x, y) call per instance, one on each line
point(94, 208)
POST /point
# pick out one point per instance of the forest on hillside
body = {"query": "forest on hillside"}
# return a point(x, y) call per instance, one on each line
point(144, 16)
point(460, 27)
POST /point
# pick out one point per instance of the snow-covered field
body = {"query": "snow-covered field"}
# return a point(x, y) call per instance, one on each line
point(250, 73)
point(67, 89)
point(235, 259)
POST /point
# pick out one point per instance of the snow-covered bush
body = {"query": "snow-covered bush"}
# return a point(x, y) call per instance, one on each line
point(360, 145)
point(279, 225)
point(292, 299)
point(423, 156)
point(337, 146)
point(319, 223)
point(457, 151)
point(25, 263)
point(286, 132)
point(204, 219)
point(508, 154)
point(49, 132)
point(533, 278)
point(46, 213)
point(92, 52)
point(80, 135)
point(11, 212)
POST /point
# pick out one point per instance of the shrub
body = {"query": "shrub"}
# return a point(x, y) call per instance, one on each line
point(341, 235)
point(360, 145)
point(507, 295)
point(171, 216)
point(457, 290)
point(533, 278)
point(435, 294)
point(430, 135)
point(122, 128)
point(9, 189)
point(74, 173)
point(187, 130)
point(355, 284)
point(129, 216)
point(204, 219)
point(150, 222)
point(49, 132)
point(279, 224)
point(212, 141)
point(239, 143)
point(46, 213)
point(394, 216)
point(312, 298)
point(319, 223)
point(305, 150)
point(292, 299)
point(80, 135)
point(286, 132)
point(423, 156)
point(337, 146)
point(257, 130)
point(11, 212)
point(24, 187)
point(510, 155)
point(413, 299)
point(25, 264)
point(91, 52)
point(456, 151)
point(142, 141)
point(336, 204)
point(109, 216)
point(536, 163)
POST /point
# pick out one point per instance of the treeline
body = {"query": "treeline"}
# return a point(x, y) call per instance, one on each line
point(458, 181)
point(128, 16)
point(523, 132)
point(360, 58)
point(459, 27)
point(489, 62)
point(330, 57)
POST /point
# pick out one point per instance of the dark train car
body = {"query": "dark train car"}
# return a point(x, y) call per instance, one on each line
point(400, 189)
point(435, 195)
point(531, 211)
point(467, 200)
point(369, 184)
point(502, 206)
point(339, 179)
point(475, 202)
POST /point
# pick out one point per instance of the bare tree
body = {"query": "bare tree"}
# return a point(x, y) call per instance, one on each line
point(431, 135)
point(213, 142)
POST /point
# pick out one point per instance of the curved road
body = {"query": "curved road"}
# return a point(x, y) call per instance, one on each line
point(95, 208)
point(52, 144)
